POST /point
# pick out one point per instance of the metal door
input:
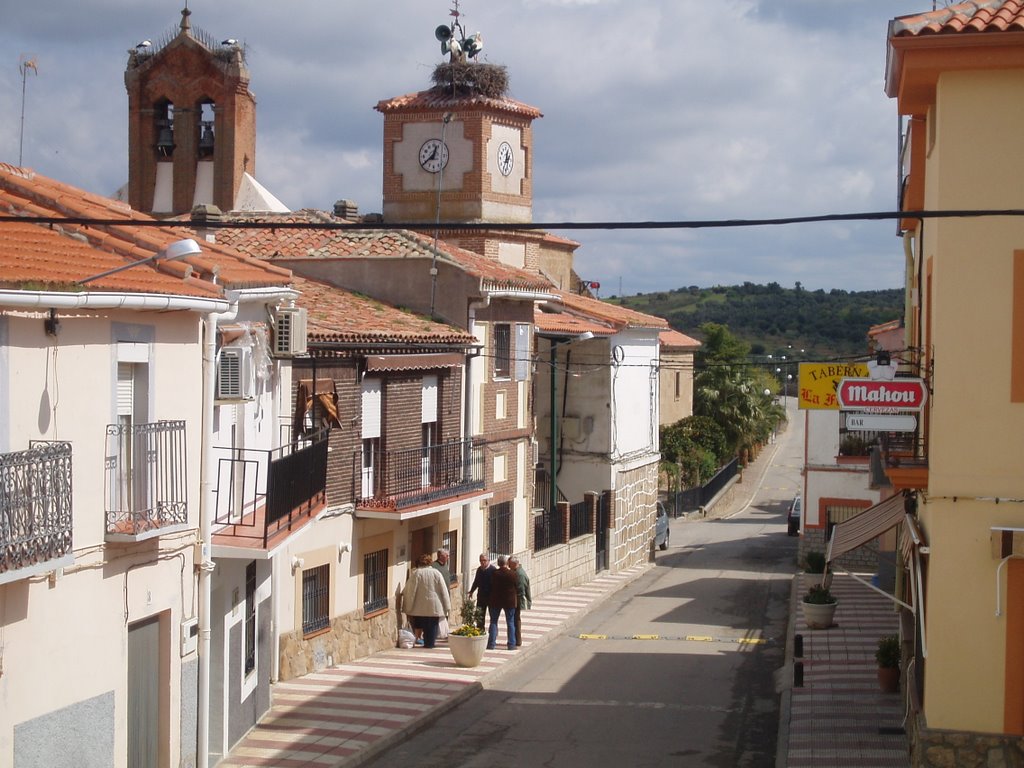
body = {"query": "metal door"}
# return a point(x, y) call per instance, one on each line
point(601, 534)
point(144, 694)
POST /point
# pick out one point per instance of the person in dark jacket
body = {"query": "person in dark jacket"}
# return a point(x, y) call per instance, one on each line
point(482, 587)
point(525, 596)
point(503, 597)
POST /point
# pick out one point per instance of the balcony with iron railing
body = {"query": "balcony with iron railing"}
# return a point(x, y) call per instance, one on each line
point(35, 510)
point(399, 480)
point(263, 496)
point(145, 482)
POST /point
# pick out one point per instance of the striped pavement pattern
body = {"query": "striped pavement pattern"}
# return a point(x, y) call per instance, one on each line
point(839, 717)
point(325, 718)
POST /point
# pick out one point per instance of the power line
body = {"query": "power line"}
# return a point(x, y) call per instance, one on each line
point(520, 226)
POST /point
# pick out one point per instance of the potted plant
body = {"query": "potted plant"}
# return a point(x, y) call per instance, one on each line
point(467, 644)
point(819, 607)
point(814, 562)
point(888, 657)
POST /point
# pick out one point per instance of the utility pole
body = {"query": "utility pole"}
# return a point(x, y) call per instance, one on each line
point(24, 65)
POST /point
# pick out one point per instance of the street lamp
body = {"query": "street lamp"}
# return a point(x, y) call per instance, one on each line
point(176, 250)
point(553, 486)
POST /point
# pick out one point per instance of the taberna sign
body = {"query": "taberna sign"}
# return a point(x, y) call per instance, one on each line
point(882, 396)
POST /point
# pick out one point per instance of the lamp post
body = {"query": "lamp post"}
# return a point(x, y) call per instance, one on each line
point(553, 352)
point(176, 250)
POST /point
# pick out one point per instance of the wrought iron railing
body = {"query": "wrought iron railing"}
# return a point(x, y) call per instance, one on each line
point(547, 530)
point(579, 519)
point(695, 498)
point(145, 472)
point(405, 478)
point(35, 506)
point(259, 492)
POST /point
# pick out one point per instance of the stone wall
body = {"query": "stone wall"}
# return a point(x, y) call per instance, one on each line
point(963, 749)
point(349, 637)
point(562, 566)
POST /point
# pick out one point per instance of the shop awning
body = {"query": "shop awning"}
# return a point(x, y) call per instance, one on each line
point(420, 362)
point(868, 525)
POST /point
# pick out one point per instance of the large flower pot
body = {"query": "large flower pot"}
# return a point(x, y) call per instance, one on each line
point(467, 651)
point(889, 679)
point(819, 615)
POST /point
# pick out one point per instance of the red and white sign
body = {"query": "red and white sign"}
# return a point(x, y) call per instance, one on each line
point(881, 396)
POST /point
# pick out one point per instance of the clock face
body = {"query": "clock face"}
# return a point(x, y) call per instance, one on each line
point(433, 155)
point(506, 158)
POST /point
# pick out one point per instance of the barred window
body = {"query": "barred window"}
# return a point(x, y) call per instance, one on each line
point(250, 617)
point(375, 581)
point(502, 350)
point(316, 599)
point(499, 528)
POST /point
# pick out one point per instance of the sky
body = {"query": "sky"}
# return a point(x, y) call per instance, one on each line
point(654, 110)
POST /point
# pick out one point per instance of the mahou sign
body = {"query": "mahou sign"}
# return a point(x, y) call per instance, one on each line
point(869, 394)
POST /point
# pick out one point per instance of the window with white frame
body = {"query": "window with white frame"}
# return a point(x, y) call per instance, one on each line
point(371, 432)
point(428, 420)
point(502, 350)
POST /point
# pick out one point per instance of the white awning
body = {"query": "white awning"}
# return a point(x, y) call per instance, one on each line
point(868, 525)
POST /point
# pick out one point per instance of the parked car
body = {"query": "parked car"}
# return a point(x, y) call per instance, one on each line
point(795, 510)
point(661, 532)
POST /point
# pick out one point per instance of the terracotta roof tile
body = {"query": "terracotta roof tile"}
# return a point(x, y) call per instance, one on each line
point(338, 315)
point(575, 314)
point(963, 18)
point(26, 193)
point(679, 341)
point(368, 244)
point(436, 99)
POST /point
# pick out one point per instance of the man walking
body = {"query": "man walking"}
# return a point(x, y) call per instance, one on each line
point(524, 599)
point(441, 565)
point(504, 593)
point(482, 587)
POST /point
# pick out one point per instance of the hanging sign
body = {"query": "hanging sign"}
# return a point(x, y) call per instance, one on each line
point(818, 383)
point(882, 396)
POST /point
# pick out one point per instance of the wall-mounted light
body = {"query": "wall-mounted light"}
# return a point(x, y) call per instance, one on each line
point(344, 547)
point(297, 563)
point(176, 250)
point(51, 324)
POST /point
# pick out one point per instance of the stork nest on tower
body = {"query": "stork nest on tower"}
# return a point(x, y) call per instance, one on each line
point(461, 78)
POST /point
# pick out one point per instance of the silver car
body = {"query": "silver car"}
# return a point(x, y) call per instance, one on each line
point(661, 532)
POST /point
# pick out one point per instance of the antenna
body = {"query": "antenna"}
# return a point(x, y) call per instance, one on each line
point(24, 65)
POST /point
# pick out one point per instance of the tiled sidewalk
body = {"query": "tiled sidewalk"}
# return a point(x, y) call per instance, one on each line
point(333, 717)
point(840, 717)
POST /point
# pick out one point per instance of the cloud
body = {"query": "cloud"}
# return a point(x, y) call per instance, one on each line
point(652, 111)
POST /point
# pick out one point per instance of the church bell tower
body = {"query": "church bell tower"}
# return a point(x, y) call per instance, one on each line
point(191, 122)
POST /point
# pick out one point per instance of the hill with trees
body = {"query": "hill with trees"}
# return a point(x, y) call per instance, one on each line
point(772, 319)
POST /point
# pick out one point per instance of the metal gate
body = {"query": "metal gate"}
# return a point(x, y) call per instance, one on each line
point(144, 694)
point(601, 534)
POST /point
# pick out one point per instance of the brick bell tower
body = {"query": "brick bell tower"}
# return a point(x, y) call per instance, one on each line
point(462, 150)
point(191, 122)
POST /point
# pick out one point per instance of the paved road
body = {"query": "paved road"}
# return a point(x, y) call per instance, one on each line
point(675, 669)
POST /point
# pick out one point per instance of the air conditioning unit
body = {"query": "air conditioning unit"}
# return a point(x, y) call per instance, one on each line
point(235, 380)
point(289, 332)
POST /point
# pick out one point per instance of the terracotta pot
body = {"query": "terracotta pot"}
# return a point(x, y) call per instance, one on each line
point(467, 651)
point(889, 679)
point(819, 615)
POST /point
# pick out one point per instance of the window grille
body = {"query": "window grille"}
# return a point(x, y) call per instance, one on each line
point(375, 581)
point(499, 528)
point(502, 350)
point(316, 594)
point(250, 617)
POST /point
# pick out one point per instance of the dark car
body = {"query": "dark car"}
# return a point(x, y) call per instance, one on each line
point(795, 510)
point(661, 532)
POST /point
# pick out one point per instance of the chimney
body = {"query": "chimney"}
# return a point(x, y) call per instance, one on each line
point(346, 209)
point(205, 214)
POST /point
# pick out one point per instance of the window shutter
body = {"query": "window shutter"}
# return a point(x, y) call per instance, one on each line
point(429, 409)
point(371, 408)
point(125, 389)
point(522, 351)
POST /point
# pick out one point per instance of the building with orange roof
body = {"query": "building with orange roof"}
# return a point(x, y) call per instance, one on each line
point(956, 74)
point(676, 372)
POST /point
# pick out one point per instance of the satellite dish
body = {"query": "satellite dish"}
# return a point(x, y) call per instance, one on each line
point(443, 33)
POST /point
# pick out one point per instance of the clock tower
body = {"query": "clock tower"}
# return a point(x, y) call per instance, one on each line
point(461, 151)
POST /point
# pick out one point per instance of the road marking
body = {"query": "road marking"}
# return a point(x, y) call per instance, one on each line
point(685, 638)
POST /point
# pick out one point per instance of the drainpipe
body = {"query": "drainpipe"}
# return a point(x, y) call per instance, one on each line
point(206, 510)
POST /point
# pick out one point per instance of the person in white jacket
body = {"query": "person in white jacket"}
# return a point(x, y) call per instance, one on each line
point(426, 599)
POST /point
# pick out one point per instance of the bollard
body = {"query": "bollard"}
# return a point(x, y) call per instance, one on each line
point(798, 675)
point(798, 646)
